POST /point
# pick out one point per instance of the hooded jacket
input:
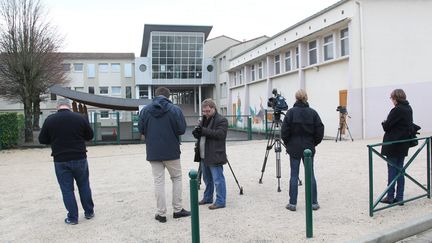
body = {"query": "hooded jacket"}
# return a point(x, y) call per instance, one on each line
point(162, 123)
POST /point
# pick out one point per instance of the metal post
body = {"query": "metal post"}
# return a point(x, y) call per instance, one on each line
point(95, 127)
point(249, 131)
point(308, 193)
point(370, 182)
point(428, 156)
point(193, 182)
point(118, 127)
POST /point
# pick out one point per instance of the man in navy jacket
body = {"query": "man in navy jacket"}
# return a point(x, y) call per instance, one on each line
point(67, 132)
point(162, 123)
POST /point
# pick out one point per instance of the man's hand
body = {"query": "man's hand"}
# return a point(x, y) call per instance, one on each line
point(197, 132)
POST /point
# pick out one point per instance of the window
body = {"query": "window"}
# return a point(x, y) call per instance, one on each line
point(103, 90)
point(114, 114)
point(116, 90)
point(312, 52)
point(78, 67)
point(297, 56)
point(277, 64)
point(66, 67)
point(80, 89)
point(91, 90)
point(260, 70)
point(90, 70)
point(103, 67)
point(115, 67)
point(53, 96)
point(104, 114)
point(235, 79)
point(240, 77)
point(143, 92)
point(128, 70)
point(287, 61)
point(253, 72)
point(344, 42)
point(328, 48)
point(128, 92)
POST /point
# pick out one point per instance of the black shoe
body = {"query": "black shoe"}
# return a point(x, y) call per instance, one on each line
point(202, 202)
point(214, 206)
point(386, 200)
point(161, 219)
point(182, 213)
point(88, 215)
point(399, 200)
point(68, 221)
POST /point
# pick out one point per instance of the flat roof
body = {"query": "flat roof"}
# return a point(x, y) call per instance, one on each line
point(148, 28)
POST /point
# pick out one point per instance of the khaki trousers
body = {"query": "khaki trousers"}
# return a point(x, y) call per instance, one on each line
point(174, 169)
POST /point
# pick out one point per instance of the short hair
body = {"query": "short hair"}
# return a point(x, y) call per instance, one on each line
point(301, 96)
point(162, 91)
point(209, 102)
point(63, 101)
point(398, 95)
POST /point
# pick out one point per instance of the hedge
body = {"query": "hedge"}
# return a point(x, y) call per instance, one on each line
point(11, 126)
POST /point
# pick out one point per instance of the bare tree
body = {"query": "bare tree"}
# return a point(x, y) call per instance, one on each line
point(30, 61)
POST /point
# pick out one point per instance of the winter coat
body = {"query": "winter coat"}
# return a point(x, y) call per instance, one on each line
point(301, 129)
point(215, 133)
point(162, 123)
point(396, 127)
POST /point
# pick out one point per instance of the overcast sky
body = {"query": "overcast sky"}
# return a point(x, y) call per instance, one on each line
point(117, 25)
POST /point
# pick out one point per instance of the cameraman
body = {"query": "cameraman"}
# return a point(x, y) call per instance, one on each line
point(210, 151)
point(301, 129)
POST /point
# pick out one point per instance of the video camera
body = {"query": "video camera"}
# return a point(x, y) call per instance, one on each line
point(277, 103)
point(342, 109)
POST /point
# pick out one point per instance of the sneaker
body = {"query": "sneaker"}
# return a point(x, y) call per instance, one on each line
point(182, 213)
point(387, 200)
point(315, 206)
point(202, 202)
point(214, 206)
point(68, 221)
point(88, 215)
point(291, 207)
point(161, 219)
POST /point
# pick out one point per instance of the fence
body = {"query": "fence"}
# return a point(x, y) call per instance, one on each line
point(402, 172)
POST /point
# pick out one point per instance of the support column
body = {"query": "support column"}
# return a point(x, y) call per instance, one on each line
point(137, 92)
point(195, 99)
point(149, 89)
point(199, 100)
point(267, 75)
point(302, 63)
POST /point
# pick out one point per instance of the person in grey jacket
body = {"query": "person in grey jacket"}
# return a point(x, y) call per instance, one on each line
point(211, 153)
point(162, 123)
point(301, 129)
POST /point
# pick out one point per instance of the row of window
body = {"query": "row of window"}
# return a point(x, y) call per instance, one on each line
point(102, 68)
point(291, 57)
point(103, 90)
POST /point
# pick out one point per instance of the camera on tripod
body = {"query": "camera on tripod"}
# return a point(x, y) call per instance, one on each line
point(277, 103)
point(342, 109)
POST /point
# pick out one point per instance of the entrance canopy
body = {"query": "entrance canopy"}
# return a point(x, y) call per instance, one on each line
point(99, 100)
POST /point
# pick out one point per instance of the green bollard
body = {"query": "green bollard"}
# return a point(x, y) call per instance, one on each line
point(193, 182)
point(308, 187)
point(249, 131)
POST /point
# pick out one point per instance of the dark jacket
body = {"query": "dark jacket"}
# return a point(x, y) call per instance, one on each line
point(162, 123)
point(396, 127)
point(301, 129)
point(215, 131)
point(66, 132)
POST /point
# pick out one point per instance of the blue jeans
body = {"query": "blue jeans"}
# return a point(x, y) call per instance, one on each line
point(392, 173)
point(293, 188)
point(214, 178)
point(66, 172)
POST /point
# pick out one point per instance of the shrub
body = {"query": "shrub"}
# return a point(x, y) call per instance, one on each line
point(11, 126)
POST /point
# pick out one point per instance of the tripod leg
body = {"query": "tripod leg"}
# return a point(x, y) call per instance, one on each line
point(268, 148)
point(349, 131)
point(235, 178)
point(337, 134)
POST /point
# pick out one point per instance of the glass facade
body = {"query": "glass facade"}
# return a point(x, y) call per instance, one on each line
point(177, 55)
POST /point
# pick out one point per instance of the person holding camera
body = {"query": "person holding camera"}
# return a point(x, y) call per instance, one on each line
point(162, 123)
point(210, 151)
point(301, 129)
point(396, 127)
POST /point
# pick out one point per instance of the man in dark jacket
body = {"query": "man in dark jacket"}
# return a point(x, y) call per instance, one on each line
point(162, 123)
point(396, 127)
point(301, 129)
point(211, 153)
point(67, 132)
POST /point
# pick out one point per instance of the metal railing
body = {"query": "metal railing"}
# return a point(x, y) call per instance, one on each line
point(401, 172)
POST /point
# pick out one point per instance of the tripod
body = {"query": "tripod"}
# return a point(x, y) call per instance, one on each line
point(274, 140)
point(235, 178)
point(342, 123)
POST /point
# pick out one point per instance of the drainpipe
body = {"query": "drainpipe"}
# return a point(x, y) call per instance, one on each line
point(363, 89)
